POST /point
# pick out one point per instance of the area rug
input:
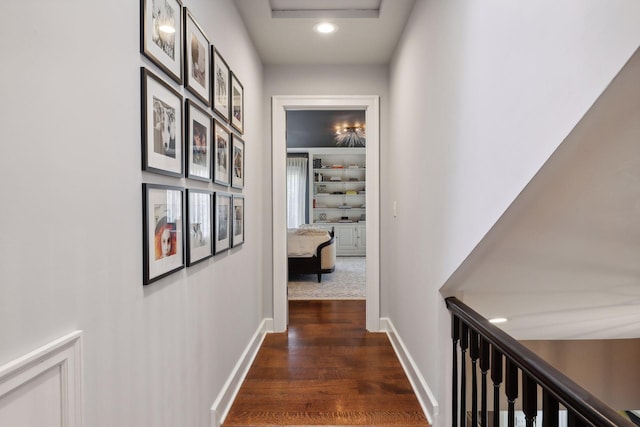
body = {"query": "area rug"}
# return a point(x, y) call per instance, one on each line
point(346, 282)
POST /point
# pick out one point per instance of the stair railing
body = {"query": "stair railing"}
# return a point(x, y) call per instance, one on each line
point(487, 346)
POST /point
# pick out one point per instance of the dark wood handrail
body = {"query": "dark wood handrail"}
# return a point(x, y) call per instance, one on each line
point(571, 395)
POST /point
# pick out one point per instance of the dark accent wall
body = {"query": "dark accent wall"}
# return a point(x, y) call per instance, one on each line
point(316, 128)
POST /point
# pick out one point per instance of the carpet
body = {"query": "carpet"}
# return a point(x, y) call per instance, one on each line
point(346, 282)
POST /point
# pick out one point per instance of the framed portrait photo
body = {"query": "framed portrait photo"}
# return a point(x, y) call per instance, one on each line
point(222, 221)
point(237, 215)
point(237, 104)
point(161, 35)
point(199, 131)
point(163, 243)
point(237, 162)
point(162, 145)
point(197, 59)
point(199, 226)
point(222, 150)
point(220, 77)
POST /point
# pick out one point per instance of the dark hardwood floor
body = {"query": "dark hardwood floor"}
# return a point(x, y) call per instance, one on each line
point(326, 370)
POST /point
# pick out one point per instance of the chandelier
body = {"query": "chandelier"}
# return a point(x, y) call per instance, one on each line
point(350, 135)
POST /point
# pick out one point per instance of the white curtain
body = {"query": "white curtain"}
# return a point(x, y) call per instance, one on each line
point(296, 191)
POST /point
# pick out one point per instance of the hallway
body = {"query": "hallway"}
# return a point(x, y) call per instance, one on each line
point(326, 370)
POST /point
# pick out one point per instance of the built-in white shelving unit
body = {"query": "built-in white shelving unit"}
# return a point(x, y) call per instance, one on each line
point(337, 193)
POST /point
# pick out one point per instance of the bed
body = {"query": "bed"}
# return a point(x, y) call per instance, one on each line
point(311, 251)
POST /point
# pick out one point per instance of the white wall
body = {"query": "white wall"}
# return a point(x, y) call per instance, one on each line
point(321, 80)
point(71, 246)
point(569, 233)
point(607, 368)
point(481, 95)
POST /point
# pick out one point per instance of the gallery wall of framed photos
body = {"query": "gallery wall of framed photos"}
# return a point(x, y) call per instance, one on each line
point(192, 127)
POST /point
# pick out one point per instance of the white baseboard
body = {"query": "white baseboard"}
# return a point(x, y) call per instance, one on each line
point(268, 325)
point(423, 392)
point(222, 404)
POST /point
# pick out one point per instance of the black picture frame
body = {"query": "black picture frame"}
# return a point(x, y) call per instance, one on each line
point(237, 162)
point(163, 231)
point(221, 85)
point(222, 221)
point(221, 154)
point(162, 126)
point(158, 18)
point(199, 137)
point(237, 216)
point(197, 59)
point(199, 225)
point(237, 104)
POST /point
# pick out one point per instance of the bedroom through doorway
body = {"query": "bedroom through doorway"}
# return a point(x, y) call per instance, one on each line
point(326, 204)
point(336, 198)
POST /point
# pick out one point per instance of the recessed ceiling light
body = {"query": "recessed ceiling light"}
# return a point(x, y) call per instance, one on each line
point(325, 28)
point(497, 320)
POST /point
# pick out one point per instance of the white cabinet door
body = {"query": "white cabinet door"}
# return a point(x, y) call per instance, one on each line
point(347, 239)
point(350, 240)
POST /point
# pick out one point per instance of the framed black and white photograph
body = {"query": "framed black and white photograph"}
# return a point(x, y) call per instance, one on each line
point(163, 243)
point(222, 222)
point(161, 35)
point(237, 215)
point(222, 156)
point(162, 140)
point(199, 226)
point(197, 59)
point(237, 104)
point(199, 131)
point(220, 77)
point(237, 162)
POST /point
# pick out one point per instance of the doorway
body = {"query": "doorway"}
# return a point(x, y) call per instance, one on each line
point(280, 105)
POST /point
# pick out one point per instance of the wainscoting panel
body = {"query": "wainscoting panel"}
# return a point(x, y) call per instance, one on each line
point(43, 388)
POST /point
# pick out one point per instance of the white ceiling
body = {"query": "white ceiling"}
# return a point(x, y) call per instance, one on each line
point(282, 30)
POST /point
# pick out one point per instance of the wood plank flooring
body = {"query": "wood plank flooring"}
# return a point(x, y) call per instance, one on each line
point(326, 370)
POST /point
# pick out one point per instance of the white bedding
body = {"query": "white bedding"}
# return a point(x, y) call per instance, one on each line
point(303, 242)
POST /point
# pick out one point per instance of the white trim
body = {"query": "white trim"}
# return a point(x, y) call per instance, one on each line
point(268, 325)
point(326, 14)
point(280, 104)
point(420, 387)
point(64, 354)
point(227, 395)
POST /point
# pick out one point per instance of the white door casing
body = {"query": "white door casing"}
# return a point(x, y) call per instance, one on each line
point(280, 105)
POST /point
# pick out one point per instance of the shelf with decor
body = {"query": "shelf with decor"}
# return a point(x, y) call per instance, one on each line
point(339, 185)
point(338, 196)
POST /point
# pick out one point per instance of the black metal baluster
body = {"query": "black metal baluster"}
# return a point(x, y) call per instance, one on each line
point(583, 409)
point(484, 367)
point(550, 410)
point(455, 336)
point(464, 344)
point(496, 377)
point(529, 399)
point(474, 352)
point(511, 389)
